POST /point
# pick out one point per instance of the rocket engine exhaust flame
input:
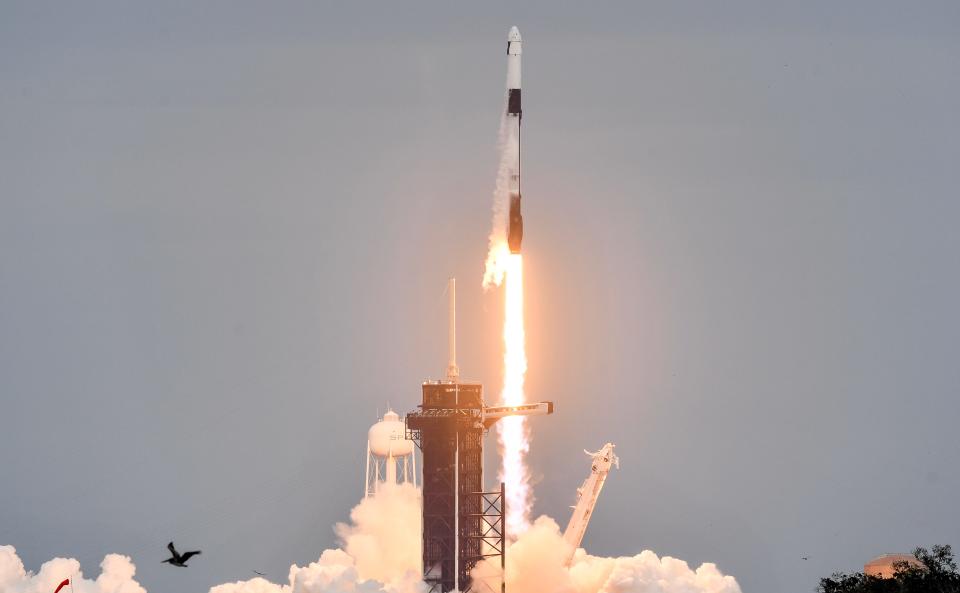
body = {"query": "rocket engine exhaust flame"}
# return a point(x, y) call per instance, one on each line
point(513, 432)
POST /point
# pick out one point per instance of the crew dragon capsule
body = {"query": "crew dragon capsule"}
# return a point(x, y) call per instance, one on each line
point(514, 114)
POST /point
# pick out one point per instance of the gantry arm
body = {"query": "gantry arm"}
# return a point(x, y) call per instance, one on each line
point(493, 413)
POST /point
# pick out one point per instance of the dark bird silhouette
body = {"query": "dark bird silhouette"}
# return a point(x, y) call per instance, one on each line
point(178, 559)
point(805, 558)
point(263, 574)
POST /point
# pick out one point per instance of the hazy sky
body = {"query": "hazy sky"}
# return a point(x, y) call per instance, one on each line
point(225, 229)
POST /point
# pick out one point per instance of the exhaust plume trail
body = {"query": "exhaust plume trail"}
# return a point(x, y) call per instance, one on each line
point(506, 268)
point(505, 265)
point(513, 432)
point(498, 252)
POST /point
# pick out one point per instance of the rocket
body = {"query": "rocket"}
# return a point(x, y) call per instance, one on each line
point(514, 113)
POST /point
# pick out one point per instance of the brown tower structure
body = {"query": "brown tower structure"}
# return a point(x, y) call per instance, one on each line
point(462, 524)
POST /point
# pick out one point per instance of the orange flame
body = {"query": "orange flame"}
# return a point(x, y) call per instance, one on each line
point(512, 432)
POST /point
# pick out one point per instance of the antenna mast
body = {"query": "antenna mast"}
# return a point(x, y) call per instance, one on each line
point(453, 371)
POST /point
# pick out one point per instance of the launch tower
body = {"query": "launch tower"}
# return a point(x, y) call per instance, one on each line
point(462, 522)
point(457, 533)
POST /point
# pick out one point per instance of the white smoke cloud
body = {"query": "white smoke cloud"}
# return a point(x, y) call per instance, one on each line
point(334, 572)
point(536, 563)
point(384, 537)
point(380, 553)
point(116, 575)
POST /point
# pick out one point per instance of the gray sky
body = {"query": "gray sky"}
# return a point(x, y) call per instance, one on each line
point(225, 229)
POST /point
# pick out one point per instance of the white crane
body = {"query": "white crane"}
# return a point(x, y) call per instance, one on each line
point(587, 495)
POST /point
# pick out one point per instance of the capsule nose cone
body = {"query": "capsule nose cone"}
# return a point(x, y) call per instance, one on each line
point(514, 34)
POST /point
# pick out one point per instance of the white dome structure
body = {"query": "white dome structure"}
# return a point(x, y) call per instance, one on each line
point(390, 455)
point(389, 437)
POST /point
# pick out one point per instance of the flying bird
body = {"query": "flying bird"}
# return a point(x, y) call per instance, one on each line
point(178, 559)
point(263, 574)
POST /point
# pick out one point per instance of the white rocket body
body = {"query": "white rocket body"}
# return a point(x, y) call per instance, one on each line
point(514, 114)
point(514, 50)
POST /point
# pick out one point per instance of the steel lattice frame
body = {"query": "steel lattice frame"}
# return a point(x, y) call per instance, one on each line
point(448, 429)
point(490, 537)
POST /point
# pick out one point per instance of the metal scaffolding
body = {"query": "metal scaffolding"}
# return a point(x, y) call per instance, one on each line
point(462, 524)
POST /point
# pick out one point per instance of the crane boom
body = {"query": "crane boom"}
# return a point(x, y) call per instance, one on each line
point(587, 496)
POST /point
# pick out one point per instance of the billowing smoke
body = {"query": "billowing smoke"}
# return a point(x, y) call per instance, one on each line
point(116, 575)
point(335, 572)
point(380, 553)
point(384, 535)
point(503, 267)
point(536, 563)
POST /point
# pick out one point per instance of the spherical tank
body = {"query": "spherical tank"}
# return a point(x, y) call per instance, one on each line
point(388, 437)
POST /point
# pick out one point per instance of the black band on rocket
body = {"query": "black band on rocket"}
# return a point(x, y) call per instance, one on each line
point(513, 102)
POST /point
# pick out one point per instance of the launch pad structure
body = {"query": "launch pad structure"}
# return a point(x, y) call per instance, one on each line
point(462, 522)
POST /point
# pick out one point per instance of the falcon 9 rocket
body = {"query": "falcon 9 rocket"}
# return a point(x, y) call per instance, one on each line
point(514, 113)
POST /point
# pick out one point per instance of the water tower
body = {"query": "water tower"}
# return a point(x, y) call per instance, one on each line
point(390, 457)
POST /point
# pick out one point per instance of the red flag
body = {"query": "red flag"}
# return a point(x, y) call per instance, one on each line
point(62, 585)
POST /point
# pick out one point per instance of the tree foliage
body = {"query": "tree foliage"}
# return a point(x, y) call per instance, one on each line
point(937, 573)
